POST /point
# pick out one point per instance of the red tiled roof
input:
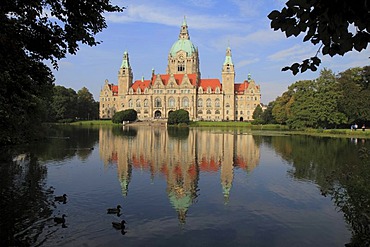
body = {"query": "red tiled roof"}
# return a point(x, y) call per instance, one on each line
point(140, 84)
point(113, 88)
point(212, 83)
point(240, 87)
point(178, 78)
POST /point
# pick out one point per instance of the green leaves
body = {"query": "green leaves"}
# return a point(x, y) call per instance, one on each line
point(31, 32)
point(311, 64)
point(339, 26)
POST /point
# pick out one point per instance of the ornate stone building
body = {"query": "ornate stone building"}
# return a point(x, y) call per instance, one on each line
point(182, 88)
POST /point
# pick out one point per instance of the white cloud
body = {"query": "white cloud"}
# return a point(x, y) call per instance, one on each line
point(297, 52)
point(202, 3)
point(245, 62)
point(148, 13)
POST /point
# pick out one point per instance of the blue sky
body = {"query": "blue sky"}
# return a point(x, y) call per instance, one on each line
point(147, 29)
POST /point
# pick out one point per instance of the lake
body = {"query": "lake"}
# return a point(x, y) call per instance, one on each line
point(185, 187)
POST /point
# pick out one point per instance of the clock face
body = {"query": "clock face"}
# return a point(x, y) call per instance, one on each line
point(181, 57)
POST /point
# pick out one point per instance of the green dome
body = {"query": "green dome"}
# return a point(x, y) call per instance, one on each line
point(182, 45)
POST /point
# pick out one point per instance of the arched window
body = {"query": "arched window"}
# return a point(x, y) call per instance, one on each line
point(138, 103)
point(200, 90)
point(185, 102)
point(171, 102)
point(208, 103)
point(209, 90)
point(130, 104)
point(217, 112)
point(138, 91)
point(208, 112)
point(180, 67)
point(217, 103)
point(158, 102)
point(200, 102)
point(227, 105)
point(200, 112)
point(145, 103)
point(217, 90)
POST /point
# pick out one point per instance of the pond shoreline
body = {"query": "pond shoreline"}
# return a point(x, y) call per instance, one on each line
point(344, 133)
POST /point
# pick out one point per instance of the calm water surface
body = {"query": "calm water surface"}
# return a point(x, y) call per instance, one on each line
point(187, 187)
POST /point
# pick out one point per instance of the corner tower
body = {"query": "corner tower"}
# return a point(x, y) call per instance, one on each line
point(124, 76)
point(183, 57)
point(228, 81)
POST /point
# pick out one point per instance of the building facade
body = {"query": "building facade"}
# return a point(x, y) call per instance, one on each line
point(182, 88)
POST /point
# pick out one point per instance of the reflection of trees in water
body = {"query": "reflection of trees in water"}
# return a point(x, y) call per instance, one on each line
point(124, 131)
point(340, 168)
point(181, 133)
point(68, 141)
point(25, 203)
point(349, 188)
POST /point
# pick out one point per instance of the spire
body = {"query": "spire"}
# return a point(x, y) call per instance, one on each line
point(228, 59)
point(125, 61)
point(184, 34)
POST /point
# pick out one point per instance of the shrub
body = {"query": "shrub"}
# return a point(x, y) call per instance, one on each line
point(126, 115)
point(179, 116)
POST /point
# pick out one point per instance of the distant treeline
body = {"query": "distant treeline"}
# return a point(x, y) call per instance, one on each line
point(330, 101)
point(67, 105)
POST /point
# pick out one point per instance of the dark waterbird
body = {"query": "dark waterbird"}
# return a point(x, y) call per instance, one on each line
point(119, 225)
point(60, 220)
point(62, 198)
point(116, 210)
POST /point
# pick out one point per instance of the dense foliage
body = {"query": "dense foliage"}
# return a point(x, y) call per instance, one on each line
point(66, 105)
point(337, 26)
point(257, 115)
point(327, 102)
point(125, 115)
point(178, 117)
point(33, 32)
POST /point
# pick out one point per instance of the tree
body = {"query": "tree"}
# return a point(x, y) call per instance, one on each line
point(281, 108)
point(64, 104)
point(312, 103)
point(126, 115)
point(257, 114)
point(354, 87)
point(32, 32)
point(178, 116)
point(337, 26)
point(267, 116)
point(86, 105)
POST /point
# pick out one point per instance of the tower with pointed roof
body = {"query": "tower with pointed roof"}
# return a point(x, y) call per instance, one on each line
point(125, 76)
point(228, 80)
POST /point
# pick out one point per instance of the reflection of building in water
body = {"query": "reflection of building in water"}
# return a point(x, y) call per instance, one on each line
point(180, 157)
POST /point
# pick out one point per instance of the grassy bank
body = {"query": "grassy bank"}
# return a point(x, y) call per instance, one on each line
point(94, 122)
point(247, 125)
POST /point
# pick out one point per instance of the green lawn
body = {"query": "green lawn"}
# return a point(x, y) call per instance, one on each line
point(276, 127)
